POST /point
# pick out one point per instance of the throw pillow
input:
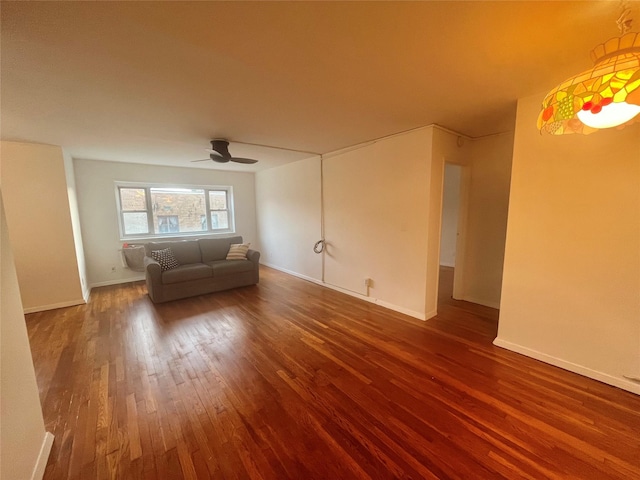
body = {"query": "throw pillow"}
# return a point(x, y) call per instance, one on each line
point(238, 251)
point(165, 258)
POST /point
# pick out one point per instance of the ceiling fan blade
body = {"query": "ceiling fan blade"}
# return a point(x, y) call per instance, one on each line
point(220, 153)
point(243, 160)
point(218, 158)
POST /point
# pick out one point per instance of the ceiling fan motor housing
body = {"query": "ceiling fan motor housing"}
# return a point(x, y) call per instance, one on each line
point(222, 147)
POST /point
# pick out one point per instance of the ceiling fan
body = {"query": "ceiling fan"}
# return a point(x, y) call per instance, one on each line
point(219, 152)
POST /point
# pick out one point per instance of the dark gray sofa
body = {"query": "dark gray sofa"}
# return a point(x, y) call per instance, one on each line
point(203, 268)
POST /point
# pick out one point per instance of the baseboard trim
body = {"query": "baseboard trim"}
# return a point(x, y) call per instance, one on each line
point(382, 303)
point(116, 282)
point(430, 315)
point(53, 306)
point(622, 383)
point(86, 293)
point(43, 457)
point(377, 301)
point(399, 309)
point(291, 272)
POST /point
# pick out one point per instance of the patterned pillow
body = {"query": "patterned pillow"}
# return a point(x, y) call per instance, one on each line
point(238, 251)
point(165, 258)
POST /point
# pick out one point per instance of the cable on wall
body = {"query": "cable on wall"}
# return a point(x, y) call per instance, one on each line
point(319, 246)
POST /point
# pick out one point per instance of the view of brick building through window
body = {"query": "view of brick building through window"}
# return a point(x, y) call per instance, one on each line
point(173, 210)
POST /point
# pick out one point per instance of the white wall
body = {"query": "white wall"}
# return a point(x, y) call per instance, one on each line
point(24, 444)
point(446, 147)
point(75, 223)
point(288, 212)
point(383, 204)
point(376, 201)
point(95, 186)
point(572, 263)
point(486, 223)
point(450, 210)
point(37, 207)
point(376, 218)
point(484, 197)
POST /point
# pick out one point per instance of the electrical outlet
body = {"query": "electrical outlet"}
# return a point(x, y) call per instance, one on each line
point(368, 282)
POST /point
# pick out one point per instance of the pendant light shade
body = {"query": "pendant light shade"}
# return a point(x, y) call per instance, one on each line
point(606, 96)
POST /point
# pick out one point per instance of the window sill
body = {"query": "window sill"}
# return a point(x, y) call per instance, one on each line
point(174, 238)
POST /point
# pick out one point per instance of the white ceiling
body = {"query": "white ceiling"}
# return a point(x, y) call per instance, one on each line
point(153, 82)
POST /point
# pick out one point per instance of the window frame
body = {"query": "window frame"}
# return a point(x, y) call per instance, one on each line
point(149, 210)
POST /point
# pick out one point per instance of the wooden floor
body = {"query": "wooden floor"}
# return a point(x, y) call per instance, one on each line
point(289, 380)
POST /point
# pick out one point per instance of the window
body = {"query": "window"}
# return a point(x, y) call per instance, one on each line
point(219, 209)
point(133, 211)
point(159, 210)
point(168, 223)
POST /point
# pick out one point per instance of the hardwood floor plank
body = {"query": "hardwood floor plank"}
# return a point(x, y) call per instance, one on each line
point(135, 448)
point(289, 380)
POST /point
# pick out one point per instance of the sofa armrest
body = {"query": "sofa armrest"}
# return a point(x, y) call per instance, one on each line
point(153, 268)
point(254, 256)
point(153, 277)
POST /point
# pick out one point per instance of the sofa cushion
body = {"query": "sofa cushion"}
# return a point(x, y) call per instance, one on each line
point(228, 267)
point(238, 251)
point(185, 251)
point(216, 248)
point(165, 258)
point(184, 273)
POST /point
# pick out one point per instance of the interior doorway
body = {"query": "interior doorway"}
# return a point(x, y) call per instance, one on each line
point(451, 233)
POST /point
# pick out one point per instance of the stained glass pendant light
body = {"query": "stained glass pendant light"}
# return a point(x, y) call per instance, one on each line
point(606, 96)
